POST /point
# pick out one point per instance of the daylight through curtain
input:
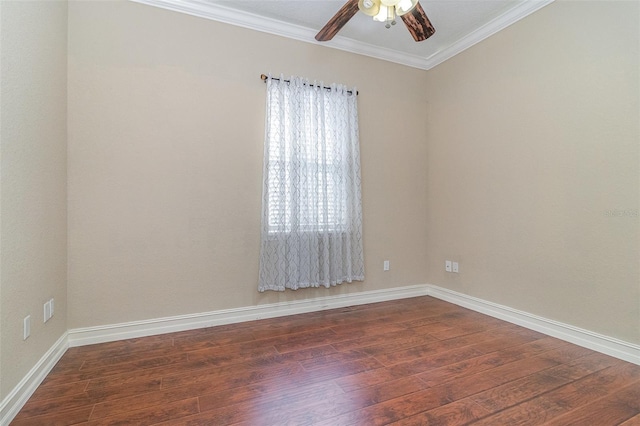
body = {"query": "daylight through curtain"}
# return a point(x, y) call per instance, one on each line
point(311, 205)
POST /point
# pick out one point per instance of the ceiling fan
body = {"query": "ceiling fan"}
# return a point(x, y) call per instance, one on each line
point(386, 11)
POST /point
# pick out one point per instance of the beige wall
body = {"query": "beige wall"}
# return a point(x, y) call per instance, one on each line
point(166, 119)
point(533, 141)
point(528, 174)
point(33, 231)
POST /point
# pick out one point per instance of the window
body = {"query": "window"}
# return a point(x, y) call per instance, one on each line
point(312, 219)
point(317, 202)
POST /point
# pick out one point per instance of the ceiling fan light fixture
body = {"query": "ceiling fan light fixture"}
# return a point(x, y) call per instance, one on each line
point(389, 3)
point(391, 17)
point(405, 6)
point(369, 7)
point(382, 14)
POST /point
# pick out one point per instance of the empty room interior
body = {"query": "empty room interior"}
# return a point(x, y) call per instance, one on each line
point(132, 149)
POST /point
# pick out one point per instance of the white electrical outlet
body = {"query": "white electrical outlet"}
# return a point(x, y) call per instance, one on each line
point(447, 265)
point(47, 311)
point(455, 267)
point(51, 305)
point(385, 265)
point(27, 327)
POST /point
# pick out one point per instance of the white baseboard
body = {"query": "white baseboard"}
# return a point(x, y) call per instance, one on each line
point(588, 339)
point(112, 332)
point(598, 342)
point(11, 405)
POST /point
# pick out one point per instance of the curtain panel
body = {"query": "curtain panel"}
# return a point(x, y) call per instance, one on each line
point(311, 205)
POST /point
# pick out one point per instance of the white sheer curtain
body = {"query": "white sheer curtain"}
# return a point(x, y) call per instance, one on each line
point(311, 204)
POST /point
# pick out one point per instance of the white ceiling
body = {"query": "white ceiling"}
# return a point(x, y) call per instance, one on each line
point(459, 24)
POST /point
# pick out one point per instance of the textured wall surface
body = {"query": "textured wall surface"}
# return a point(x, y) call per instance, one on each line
point(519, 158)
point(533, 167)
point(166, 119)
point(33, 199)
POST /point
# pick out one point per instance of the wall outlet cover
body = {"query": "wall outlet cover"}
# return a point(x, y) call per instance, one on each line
point(47, 311)
point(27, 327)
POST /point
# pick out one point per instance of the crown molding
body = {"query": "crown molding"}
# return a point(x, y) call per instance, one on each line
point(508, 18)
point(216, 12)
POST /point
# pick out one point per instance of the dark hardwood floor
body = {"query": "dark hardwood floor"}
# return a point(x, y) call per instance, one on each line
point(418, 361)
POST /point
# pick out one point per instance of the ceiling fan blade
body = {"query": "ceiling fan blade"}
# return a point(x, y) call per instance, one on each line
point(338, 21)
point(418, 24)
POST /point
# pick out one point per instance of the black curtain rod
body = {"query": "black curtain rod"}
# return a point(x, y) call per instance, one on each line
point(264, 78)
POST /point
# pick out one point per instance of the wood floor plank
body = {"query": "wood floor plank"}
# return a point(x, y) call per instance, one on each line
point(537, 411)
point(366, 329)
point(57, 418)
point(269, 391)
point(58, 391)
point(95, 364)
point(224, 393)
point(294, 406)
point(368, 378)
point(456, 413)
point(153, 415)
point(238, 375)
point(336, 358)
point(609, 410)
point(140, 345)
point(573, 396)
point(469, 385)
point(305, 340)
point(229, 355)
point(502, 342)
point(435, 360)
point(35, 407)
point(326, 408)
point(388, 390)
point(413, 361)
point(633, 421)
point(379, 339)
point(582, 366)
point(133, 364)
point(413, 353)
point(392, 410)
point(455, 331)
point(512, 393)
point(55, 405)
point(121, 406)
point(517, 391)
point(489, 361)
point(309, 353)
